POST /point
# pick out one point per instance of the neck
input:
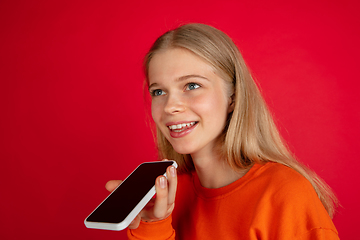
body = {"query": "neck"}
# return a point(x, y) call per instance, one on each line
point(214, 172)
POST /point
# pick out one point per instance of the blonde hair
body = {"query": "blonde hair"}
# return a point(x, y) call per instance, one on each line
point(251, 135)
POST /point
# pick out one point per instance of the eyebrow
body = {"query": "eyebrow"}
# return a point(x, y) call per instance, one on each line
point(190, 76)
point(183, 78)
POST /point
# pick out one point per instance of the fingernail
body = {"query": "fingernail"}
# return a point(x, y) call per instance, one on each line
point(162, 182)
point(173, 171)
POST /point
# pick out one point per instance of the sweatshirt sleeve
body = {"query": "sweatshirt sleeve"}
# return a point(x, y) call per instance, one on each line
point(159, 230)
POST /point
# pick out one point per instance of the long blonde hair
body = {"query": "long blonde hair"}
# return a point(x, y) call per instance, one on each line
point(251, 135)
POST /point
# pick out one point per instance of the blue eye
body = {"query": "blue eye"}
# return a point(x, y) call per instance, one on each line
point(192, 86)
point(157, 92)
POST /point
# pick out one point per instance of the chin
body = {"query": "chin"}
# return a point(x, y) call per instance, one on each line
point(183, 150)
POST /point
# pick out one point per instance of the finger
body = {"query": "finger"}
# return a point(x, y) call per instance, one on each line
point(135, 223)
point(172, 179)
point(112, 184)
point(161, 200)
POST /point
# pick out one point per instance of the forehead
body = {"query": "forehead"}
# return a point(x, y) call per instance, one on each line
point(177, 62)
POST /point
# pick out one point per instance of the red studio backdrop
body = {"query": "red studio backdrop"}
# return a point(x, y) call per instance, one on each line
point(72, 111)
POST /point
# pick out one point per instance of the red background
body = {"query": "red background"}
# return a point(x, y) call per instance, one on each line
point(72, 110)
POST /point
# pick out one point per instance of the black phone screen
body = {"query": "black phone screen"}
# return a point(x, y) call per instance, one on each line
point(117, 206)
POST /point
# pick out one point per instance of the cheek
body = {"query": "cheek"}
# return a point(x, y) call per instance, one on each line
point(212, 106)
point(156, 111)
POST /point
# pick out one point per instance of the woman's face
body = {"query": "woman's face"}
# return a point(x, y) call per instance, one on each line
point(190, 102)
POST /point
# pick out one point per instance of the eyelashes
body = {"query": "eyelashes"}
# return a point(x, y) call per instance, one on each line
point(188, 87)
point(192, 86)
point(156, 92)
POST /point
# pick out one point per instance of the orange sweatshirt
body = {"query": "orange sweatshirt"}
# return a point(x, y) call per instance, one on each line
point(271, 201)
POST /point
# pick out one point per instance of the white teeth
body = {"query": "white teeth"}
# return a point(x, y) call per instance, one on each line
point(180, 126)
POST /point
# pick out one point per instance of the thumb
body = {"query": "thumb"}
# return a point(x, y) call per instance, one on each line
point(112, 184)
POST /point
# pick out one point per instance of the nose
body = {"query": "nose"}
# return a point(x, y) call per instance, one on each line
point(174, 104)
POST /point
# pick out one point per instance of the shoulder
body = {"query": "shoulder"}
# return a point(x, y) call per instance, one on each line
point(185, 181)
point(279, 171)
point(284, 183)
point(281, 174)
point(185, 177)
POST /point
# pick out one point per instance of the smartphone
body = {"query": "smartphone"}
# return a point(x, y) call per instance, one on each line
point(120, 208)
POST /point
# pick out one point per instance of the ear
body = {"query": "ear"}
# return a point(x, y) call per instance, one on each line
point(231, 103)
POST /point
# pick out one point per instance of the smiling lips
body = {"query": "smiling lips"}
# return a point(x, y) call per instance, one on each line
point(179, 130)
point(181, 127)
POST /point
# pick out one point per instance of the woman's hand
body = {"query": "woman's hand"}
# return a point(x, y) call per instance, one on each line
point(159, 207)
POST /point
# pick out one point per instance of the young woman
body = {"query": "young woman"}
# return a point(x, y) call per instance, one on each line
point(236, 178)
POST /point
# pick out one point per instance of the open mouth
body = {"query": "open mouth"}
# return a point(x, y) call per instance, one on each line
point(181, 127)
